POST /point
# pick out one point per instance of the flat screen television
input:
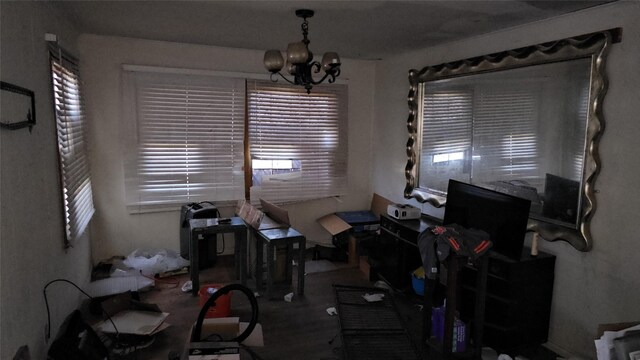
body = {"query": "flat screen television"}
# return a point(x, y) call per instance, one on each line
point(504, 217)
point(561, 198)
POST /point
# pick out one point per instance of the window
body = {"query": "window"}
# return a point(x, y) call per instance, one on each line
point(298, 141)
point(185, 141)
point(505, 134)
point(446, 137)
point(72, 149)
point(478, 134)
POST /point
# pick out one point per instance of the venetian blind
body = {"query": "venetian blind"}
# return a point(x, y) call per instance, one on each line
point(72, 146)
point(308, 131)
point(186, 140)
point(446, 137)
point(478, 134)
point(505, 135)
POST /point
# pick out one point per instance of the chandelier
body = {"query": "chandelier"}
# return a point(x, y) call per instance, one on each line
point(300, 62)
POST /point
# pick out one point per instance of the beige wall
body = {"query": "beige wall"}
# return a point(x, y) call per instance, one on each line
point(114, 231)
point(31, 231)
point(590, 288)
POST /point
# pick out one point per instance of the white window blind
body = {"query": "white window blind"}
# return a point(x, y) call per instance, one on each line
point(446, 138)
point(72, 148)
point(577, 135)
point(479, 134)
point(185, 139)
point(309, 131)
point(505, 135)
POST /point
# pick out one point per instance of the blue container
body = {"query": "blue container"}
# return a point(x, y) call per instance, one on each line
point(418, 285)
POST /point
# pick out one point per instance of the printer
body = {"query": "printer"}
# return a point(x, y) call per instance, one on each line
point(403, 211)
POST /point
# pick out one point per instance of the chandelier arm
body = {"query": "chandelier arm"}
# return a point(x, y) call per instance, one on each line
point(331, 76)
point(275, 78)
point(335, 72)
point(315, 66)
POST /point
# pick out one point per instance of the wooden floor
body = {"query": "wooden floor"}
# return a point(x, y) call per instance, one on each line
point(301, 329)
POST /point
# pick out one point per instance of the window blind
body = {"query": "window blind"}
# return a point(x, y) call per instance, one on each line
point(446, 137)
point(185, 142)
point(307, 131)
point(478, 134)
point(576, 137)
point(505, 135)
point(72, 148)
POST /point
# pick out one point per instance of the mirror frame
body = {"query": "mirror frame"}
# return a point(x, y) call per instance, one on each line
point(595, 46)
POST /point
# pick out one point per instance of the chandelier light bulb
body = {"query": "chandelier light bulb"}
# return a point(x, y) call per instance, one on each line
point(297, 53)
point(273, 60)
point(330, 60)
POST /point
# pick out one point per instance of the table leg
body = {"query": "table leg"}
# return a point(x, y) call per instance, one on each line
point(236, 255)
point(270, 268)
point(259, 264)
point(241, 259)
point(194, 266)
point(302, 245)
point(289, 262)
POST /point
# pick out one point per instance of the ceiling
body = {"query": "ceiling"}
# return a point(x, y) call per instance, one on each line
point(355, 29)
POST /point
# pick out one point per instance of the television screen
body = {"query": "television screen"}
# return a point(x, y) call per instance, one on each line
point(561, 199)
point(504, 217)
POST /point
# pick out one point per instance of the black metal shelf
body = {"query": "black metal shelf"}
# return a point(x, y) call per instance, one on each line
point(372, 330)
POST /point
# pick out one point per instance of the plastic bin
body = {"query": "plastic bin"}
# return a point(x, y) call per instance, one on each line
point(417, 280)
point(418, 285)
point(222, 306)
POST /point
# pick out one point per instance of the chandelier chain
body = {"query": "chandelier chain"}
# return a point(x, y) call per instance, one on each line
point(305, 31)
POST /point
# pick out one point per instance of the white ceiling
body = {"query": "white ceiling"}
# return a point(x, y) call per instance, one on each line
point(355, 29)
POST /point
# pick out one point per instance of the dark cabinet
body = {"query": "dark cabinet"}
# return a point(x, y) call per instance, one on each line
point(395, 255)
point(518, 293)
point(517, 303)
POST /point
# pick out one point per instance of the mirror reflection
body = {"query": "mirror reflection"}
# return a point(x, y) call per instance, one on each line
point(519, 131)
point(524, 122)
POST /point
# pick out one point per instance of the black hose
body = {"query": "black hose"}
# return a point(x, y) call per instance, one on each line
point(197, 330)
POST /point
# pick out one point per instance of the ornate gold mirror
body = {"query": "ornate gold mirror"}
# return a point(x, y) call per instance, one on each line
point(524, 122)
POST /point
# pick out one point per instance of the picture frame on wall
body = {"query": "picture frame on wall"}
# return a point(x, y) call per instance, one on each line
point(17, 107)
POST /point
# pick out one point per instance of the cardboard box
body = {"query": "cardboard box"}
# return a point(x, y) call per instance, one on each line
point(131, 316)
point(342, 225)
point(335, 223)
point(222, 328)
point(615, 327)
point(229, 328)
point(270, 217)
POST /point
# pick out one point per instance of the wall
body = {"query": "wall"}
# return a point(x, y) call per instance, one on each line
point(602, 285)
point(114, 231)
point(31, 230)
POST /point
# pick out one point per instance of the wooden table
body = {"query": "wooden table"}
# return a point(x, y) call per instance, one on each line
point(211, 227)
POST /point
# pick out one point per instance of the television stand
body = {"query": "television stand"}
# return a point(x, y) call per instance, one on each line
point(519, 292)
